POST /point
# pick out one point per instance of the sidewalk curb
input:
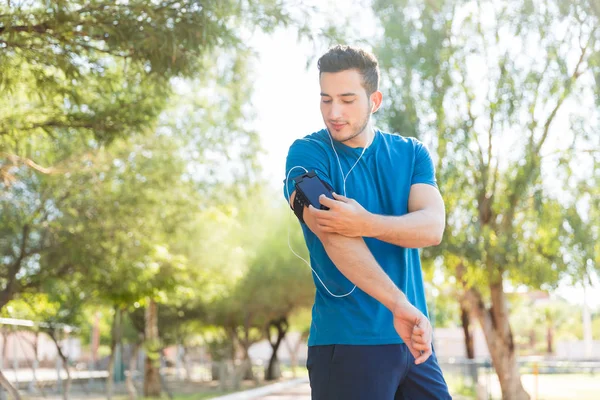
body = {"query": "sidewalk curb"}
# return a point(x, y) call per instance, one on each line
point(262, 391)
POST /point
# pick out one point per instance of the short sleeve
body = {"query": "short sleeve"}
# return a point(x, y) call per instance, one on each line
point(304, 155)
point(424, 170)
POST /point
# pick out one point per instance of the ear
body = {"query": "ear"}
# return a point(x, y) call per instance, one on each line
point(376, 99)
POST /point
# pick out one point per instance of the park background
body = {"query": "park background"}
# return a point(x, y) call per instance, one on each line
point(143, 231)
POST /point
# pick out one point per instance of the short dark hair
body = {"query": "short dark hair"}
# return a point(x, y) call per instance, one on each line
point(341, 58)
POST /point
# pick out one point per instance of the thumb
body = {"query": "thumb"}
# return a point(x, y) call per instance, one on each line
point(339, 197)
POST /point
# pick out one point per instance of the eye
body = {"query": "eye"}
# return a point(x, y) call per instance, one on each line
point(326, 101)
point(349, 101)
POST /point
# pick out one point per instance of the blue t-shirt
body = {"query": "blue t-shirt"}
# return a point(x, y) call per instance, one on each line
point(381, 183)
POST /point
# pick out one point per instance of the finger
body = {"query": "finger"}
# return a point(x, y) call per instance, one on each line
point(416, 353)
point(420, 346)
point(316, 212)
point(339, 197)
point(325, 215)
point(423, 357)
point(326, 201)
point(418, 339)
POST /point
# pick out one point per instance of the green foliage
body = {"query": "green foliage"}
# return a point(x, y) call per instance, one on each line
point(79, 75)
point(456, 76)
point(534, 320)
point(272, 283)
point(503, 93)
point(104, 66)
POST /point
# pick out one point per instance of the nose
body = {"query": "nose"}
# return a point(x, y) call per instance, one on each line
point(335, 111)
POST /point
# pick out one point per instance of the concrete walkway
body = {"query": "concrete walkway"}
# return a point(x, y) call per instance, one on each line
point(298, 392)
point(296, 389)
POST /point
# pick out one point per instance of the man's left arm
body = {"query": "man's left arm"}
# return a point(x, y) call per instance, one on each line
point(423, 226)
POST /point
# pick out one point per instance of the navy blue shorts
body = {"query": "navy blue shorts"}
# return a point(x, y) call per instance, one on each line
point(382, 372)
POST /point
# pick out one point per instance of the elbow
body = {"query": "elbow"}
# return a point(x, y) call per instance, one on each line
point(436, 240)
point(436, 235)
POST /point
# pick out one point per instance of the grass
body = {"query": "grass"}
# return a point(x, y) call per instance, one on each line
point(542, 387)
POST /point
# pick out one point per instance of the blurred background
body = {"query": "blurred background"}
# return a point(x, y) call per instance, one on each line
point(143, 230)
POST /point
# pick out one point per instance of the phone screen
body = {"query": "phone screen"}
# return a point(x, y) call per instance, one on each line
point(312, 189)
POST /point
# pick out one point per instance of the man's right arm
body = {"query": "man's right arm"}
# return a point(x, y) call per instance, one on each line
point(356, 262)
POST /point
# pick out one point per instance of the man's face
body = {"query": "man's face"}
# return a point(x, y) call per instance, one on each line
point(345, 106)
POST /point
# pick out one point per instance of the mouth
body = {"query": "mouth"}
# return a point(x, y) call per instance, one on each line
point(337, 127)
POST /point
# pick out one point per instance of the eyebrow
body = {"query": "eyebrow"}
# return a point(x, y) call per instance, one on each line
point(341, 95)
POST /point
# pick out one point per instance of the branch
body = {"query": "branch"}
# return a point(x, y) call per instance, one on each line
point(576, 74)
point(41, 28)
point(50, 124)
point(13, 269)
point(492, 117)
point(581, 151)
point(500, 83)
point(471, 118)
point(14, 159)
point(57, 204)
point(33, 284)
point(533, 123)
point(94, 48)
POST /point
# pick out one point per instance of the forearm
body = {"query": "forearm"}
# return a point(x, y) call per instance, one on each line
point(417, 229)
point(356, 262)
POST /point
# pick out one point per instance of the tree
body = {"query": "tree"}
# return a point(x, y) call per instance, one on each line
point(471, 79)
point(267, 283)
point(79, 79)
point(300, 323)
point(280, 283)
point(77, 75)
point(123, 55)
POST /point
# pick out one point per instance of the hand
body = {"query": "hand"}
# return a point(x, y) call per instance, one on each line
point(345, 216)
point(414, 329)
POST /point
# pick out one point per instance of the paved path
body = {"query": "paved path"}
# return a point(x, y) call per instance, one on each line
point(296, 389)
point(299, 392)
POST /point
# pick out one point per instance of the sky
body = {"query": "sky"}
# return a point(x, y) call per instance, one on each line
point(286, 92)
point(286, 101)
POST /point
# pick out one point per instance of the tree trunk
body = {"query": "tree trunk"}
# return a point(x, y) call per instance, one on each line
point(245, 370)
point(5, 383)
point(34, 345)
point(549, 339)
point(498, 336)
point(114, 341)
point(186, 364)
point(10, 277)
point(293, 350)
point(532, 339)
point(281, 325)
point(131, 390)
point(152, 386)
point(12, 391)
point(246, 342)
point(466, 325)
point(65, 361)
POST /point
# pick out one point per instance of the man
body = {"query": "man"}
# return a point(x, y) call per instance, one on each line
point(370, 338)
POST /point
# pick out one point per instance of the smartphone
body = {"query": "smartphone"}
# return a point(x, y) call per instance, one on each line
point(309, 186)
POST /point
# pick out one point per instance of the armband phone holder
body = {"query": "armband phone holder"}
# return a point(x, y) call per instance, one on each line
point(308, 189)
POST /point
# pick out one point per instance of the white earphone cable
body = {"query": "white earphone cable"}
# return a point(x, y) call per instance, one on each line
point(344, 177)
